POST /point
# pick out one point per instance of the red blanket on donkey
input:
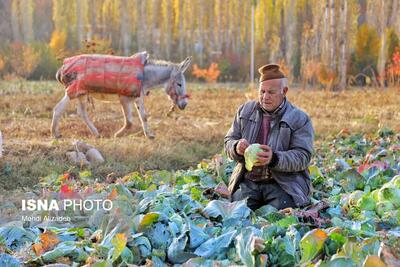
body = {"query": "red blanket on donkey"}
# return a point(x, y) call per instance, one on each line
point(103, 74)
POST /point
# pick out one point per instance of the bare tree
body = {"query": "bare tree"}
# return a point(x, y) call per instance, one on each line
point(394, 13)
point(332, 36)
point(282, 33)
point(15, 21)
point(125, 27)
point(80, 22)
point(362, 18)
point(290, 23)
point(181, 30)
point(343, 44)
point(142, 28)
point(26, 8)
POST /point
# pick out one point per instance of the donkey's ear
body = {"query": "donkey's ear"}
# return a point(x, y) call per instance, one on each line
point(185, 64)
point(145, 57)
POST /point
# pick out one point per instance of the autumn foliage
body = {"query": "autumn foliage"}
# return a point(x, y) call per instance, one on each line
point(210, 75)
point(393, 69)
point(58, 41)
point(23, 59)
point(48, 240)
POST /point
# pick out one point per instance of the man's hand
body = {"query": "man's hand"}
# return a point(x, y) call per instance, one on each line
point(265, 157)
point(241, 146)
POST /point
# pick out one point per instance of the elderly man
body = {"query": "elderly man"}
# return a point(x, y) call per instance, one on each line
point(280, 177)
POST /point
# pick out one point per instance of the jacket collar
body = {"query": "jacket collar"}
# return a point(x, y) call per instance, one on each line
point(278, 112)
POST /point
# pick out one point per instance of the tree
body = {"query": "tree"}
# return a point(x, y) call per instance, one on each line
point(125, 27)
point(344, 25)
point(15, 21)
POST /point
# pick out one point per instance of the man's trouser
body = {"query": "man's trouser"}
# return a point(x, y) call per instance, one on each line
point(263, 193)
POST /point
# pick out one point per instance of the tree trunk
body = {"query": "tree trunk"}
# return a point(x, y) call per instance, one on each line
point(141, 29)
point(218, 13)
point(125, 27)
point(80, 22)
point(332, 37)
point(181, 30)
point(382, 57)
point(343, 45)
point(325, 36)
point(394, 13)
point(252, 47)
point(26, 8)
point(15, 21)
point(362, 18)
point(200, 33)
point(228, 25)
point(290, 33)
point(211, 33)
point(282, 34)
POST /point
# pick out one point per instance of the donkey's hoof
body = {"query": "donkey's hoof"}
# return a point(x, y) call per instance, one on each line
point(118, 134)
point(150, 135)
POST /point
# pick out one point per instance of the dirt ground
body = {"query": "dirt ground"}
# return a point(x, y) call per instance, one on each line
point(182, 140)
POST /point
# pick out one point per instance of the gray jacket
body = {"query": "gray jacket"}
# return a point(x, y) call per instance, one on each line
point(291, 137)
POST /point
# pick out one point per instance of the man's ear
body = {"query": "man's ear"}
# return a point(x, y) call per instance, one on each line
point(285, 90)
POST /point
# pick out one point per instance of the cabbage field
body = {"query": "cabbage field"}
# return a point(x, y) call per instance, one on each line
point(184, 218)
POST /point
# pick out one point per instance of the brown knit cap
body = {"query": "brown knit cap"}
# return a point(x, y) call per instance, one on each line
point(270, 72)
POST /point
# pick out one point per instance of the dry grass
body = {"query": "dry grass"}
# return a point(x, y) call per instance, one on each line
point(182, 140)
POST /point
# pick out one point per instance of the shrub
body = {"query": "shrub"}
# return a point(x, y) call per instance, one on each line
point(23, 59)
point(366, 49)
point(58, 42)
point(393, 43)
point(210, 75)
point(393, 68)
point(48, 63)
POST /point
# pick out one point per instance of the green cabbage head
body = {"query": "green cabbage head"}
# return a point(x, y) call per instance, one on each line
point(396, 181)
point(384, 206)
point(367, 202)
point(250, 155)
point(389, 192)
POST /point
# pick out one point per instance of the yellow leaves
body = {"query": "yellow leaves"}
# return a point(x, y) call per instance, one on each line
point(312, 244)
point(58, 41)
point(119, 243)
point(210, 75)
point(367, 44)
point(373, 261)
point(147, 220)
point(113, 195)
point(2, 63)
point(23, 59)
point(48, 240)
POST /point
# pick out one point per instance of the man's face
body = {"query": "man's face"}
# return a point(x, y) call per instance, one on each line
point(270, 94)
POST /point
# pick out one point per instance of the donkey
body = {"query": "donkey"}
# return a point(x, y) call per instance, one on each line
point(128, 77)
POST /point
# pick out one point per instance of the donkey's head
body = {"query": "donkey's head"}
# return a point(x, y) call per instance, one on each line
point(176, 85)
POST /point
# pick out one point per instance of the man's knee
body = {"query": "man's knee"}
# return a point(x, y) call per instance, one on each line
point(246, 193)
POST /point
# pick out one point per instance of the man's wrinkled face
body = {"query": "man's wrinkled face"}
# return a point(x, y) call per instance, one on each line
point(270, 94)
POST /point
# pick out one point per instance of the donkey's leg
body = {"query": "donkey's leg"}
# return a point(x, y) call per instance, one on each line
point(82, 112)
point(126, 104)
point(139, 103)
point(57, 113)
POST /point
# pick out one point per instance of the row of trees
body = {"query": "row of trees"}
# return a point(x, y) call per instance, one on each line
point(329, 42)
